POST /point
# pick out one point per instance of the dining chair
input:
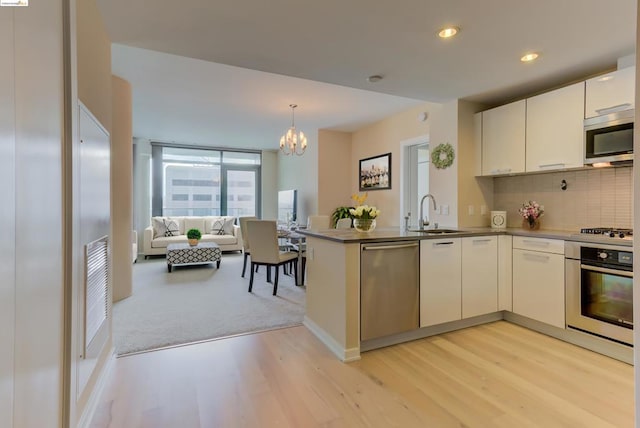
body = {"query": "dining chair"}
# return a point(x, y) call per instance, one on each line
point(318, 222)
point(343, 223)
point(265, 250)
point(245, 240)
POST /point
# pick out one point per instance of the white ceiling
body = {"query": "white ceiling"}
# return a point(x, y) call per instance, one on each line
point(173, 54)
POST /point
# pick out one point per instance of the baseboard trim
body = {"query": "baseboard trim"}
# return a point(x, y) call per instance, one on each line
point(346, 355)
point(584, 340)
point(423, 332)
point(92, 403)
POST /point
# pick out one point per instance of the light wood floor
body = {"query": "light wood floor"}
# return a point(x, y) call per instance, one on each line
point(495, 375)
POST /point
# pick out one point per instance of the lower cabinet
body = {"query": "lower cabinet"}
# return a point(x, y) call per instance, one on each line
point(479, 276)
point(458, 278)
point(440, 281)
point(538, 280)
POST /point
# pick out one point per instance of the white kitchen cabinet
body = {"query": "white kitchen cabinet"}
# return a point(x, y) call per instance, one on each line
point(505, 273)
point(555, 122)
point(503, 139)
point(479, 275)
point(538, 279)
point(610, 92)
point(440, 281)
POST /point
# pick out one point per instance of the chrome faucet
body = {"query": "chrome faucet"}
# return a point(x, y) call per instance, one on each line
point(421, 222)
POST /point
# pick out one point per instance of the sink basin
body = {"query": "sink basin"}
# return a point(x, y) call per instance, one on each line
point(435, 231)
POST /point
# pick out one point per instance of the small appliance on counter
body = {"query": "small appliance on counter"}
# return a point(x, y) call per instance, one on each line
point(498, 219)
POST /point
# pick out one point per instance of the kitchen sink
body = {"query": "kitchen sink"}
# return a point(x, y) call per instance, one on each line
point(435, 231)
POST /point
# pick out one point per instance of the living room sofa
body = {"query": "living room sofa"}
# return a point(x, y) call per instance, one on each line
point(219, 229)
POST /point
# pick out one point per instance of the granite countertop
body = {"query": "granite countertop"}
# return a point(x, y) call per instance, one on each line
point(397, 234)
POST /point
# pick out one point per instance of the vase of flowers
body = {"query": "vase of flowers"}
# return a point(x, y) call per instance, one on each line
point(531, 212)
point(364, 216)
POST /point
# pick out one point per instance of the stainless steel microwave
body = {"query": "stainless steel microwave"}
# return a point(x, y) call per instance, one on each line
point(609, 138)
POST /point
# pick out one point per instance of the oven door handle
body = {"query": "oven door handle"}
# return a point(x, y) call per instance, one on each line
point(605, 270)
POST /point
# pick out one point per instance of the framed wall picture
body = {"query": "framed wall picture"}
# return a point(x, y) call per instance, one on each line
point(375, 173)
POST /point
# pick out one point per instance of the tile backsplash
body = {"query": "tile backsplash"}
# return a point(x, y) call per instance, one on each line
point(597, 197)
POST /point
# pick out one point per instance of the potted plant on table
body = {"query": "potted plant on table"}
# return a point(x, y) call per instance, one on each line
point(340, 212)
point(193, 235)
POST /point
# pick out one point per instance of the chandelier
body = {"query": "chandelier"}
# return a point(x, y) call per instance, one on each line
point(293, 142)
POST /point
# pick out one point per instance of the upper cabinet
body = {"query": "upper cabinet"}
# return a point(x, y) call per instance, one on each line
point(610, 92)
point(554, 136)
point(546, 132)
point(503, 139)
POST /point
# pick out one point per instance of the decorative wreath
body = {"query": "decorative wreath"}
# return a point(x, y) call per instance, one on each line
point(442, 156)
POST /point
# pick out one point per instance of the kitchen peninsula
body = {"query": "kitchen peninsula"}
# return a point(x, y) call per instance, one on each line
point(465, 279)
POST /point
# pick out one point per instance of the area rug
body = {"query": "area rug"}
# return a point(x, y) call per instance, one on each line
point(195, 303)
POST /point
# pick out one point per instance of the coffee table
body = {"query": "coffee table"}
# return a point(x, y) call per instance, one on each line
point(185, 254)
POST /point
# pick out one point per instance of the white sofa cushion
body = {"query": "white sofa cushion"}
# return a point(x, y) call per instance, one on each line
point(220, 239)
point(163, 241)
point(194, 223)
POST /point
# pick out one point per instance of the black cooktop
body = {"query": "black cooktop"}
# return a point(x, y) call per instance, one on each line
point(611, 232)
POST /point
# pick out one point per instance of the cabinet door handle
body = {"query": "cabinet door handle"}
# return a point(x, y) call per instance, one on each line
point(390, 247)
point(482, 240)
point(605, 270)
point(550, 165)
point(614, 108)
point(443, 243)
point(538, 243)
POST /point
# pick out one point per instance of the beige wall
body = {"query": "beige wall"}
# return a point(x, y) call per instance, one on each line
point(383, 137)
point(443, 183)
point(597, 197)
point(94, 62)
point(121, 188)
point(334, 170)
point(475, 192)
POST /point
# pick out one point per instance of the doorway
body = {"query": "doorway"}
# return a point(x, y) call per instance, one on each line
point(415, 161)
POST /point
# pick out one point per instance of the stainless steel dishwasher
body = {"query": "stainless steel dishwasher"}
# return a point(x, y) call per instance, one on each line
point(389, 288)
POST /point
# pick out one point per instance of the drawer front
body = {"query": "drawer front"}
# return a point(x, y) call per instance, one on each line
point(555, 246)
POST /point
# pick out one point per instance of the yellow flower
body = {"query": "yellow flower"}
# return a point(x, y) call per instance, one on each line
point(359, 199)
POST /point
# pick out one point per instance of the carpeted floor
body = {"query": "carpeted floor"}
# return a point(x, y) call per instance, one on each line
point(195, 303)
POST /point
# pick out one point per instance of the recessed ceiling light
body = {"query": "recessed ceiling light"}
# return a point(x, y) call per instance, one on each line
point(448, 32)
point(529, 57)
point(375, 78)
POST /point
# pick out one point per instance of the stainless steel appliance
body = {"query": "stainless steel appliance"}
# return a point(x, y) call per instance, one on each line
point(599, 289)
point(609, 138)
point(389, 290)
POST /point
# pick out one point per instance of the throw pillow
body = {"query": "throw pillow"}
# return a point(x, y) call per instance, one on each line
point(172, 228)
point(159, 229)
point(217, 228)
point(228, 225)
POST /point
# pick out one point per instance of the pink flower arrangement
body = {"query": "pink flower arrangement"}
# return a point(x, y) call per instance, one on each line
point(531, 211)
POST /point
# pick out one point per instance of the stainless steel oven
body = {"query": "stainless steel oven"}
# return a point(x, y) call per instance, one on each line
point(599, 290)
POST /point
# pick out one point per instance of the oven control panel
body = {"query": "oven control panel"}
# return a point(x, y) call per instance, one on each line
point(609, 257)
